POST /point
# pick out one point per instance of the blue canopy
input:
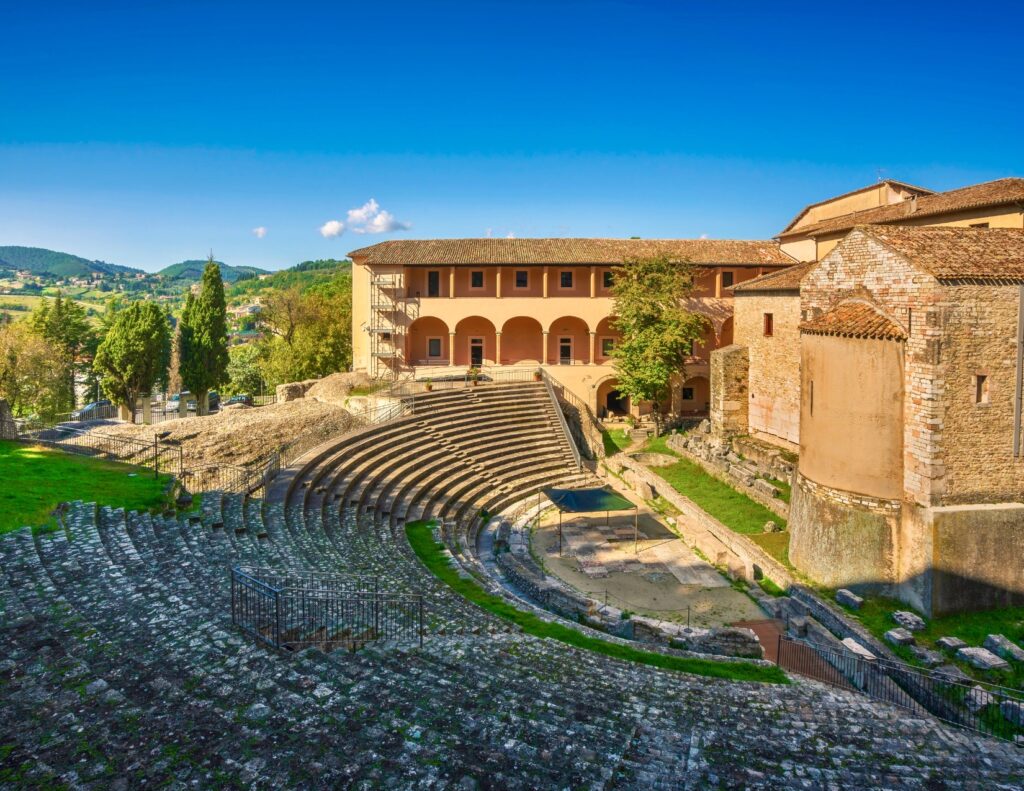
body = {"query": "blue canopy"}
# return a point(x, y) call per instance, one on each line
point(575, 501)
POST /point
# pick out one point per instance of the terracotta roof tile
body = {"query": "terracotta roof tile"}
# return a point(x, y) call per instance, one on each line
point(988, 254)
point(891, 182)
point(570, 251)
point(855, 319)
point(989, 193)
point(787, 279)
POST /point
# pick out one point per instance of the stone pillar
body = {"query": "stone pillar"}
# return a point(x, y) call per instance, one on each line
point(593, 287)
point(451, 348)
point(718, 282)
point(125, 413)
point(497, 348)
point(730, 396)
point(593, 335)
point(451, 282)
point(497, 283)
point(147, 409)
point(544, 279)
point(183, 406)
point(544, 353)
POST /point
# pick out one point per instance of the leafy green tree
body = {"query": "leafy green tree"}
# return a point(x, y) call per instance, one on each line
point(203, 348)
point(134, 355)
point(244, 370)
point(657, 329)
point(33, 372)
point(65, 324)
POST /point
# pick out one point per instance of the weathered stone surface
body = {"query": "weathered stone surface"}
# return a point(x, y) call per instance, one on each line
point(766, 487)
point(908, 620)
point(899, 636)
point(978, 698)
point(1002, 646)
point(927, 656)
point(951, 673)
point(1012, 711)
point(981, 658)
point(849, 599)
point(772, 527)
point(858, 649)
point(950, 643)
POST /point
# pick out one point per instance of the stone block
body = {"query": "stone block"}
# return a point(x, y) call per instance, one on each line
point(704, 427)
point(766, 487)
point(978, 698)
point(952, 674)
point(772, 527)
point(927, 656)
point(981, 658)
point(1004, 647)
point(856, 648)
point(848, 598)
point(950, 643)
point(1012, 711)
point(908, 620)
point(741, 474)
point(899, 636)
point(798, 625)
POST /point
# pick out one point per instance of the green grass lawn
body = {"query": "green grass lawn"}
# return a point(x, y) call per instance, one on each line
point(615, 440)
point(775, 544)
point(732, 508)
point(432, 554)
point(36, 478)
point(973, 628)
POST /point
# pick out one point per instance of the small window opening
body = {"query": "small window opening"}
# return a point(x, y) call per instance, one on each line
point(476, 279)
point(565, 279)
point(687, 393)
point(522, 278)
point(769, 324)
point(606, 278)
point(727, 279)
point(981, 389)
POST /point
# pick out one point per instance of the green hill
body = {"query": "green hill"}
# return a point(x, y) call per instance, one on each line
point(193, 271)
point(302, 276)
point(41, 261)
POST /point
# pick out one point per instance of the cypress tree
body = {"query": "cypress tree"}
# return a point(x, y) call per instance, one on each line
point(203, 342)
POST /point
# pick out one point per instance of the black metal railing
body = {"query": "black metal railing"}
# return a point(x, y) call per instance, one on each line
point(974, 705)
point(292, 611)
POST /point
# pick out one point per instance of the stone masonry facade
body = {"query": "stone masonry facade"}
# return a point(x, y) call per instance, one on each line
point(729, 390)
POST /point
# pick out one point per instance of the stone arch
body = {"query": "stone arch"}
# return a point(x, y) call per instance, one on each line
point(470, 328)
point(605, 332)
point(608, 401)
point(522, 341)
point(575, 329)
point(417, 341)
point(724, 333)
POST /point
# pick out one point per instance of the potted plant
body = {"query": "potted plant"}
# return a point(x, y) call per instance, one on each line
point(474, 376)
point(428, 385)
point(537, 375)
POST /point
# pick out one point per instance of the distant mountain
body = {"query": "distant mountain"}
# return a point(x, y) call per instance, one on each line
point(40, 261)
point(301, 276)
point(193, 270)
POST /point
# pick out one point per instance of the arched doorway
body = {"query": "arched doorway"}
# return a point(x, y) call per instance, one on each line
point(522, 342)
point(427, 342)
point(568, 341)
point(725, 333)
point(611, 402)
point(474, 342)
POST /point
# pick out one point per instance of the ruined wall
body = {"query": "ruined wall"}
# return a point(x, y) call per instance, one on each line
point(774, 378)
point(729, 388)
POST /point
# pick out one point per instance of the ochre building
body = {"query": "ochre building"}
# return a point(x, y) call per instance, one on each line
point(437, 307)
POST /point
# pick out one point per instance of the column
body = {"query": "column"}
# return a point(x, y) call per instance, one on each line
point(147, 409)
point(451, 282)
point(593, 336)
point(593, 285)
point(718, 282)
point(545, 281)
point(497, 282)
point(451, 348)
point(544, 354)
point(497, 346)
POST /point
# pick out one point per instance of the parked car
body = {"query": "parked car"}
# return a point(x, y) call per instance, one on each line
point(240, 398)
point(174, 402)
point(94, 411)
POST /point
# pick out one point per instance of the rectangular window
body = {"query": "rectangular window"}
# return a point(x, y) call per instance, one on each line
point(687, 393)
point(606, 278)
point(565, 279)
point(476, 279)
point(981, 389)
point(811, 399)
point(769, 324)
point(433, 283)
point(727, 279)
point(433, 347)
point(607, 347)
point(522, 278)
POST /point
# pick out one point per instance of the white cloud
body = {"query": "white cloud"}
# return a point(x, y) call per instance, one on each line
point(510, 235)
point(332, 228)
point(259, 232)
point(368, 218)
point(703, 236)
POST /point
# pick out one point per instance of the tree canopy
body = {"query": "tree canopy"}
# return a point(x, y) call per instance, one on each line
point(134, 355)
point(658, 332)
point(203, 341)
point(33, 372)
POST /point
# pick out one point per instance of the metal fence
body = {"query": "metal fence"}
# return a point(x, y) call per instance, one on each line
point(978, 706)
point(449, 381)
point(293, 611)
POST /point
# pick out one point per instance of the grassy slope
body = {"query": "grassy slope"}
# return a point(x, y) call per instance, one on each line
point(615, 440)
point(431, 553)
point(35, 479)
point(730, 507)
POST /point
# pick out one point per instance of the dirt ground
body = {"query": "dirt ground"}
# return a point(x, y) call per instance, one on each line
point(241, 436)
point(646, 583)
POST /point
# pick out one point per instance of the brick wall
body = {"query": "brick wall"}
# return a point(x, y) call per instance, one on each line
point(774, 377)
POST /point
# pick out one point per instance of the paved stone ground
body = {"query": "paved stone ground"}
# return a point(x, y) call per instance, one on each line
point(121, 670)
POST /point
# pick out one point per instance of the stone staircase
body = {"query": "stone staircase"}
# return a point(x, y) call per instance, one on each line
point(120, 666)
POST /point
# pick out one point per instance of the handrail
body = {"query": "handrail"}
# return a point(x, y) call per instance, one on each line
point(561, 420)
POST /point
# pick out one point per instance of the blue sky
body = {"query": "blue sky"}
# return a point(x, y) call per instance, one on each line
point(150, 132)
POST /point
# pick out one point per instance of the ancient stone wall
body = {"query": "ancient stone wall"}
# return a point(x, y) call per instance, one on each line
point(774, 376)
point(729, 389)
